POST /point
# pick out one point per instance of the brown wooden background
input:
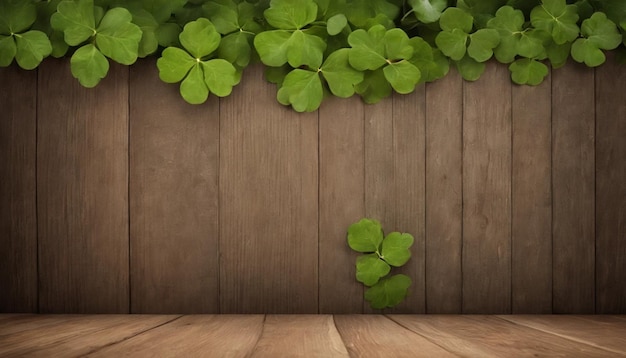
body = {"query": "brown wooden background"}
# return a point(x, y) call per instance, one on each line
point(124, 198)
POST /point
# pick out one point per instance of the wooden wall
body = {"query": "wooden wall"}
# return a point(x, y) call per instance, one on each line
point(124, 198)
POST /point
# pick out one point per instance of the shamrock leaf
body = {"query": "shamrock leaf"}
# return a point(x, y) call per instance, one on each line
point(76, 20)
point(302, 90)
point(396, 248)
point(557, 18)
point(599, 33)
point(368, 48)
point(291, 14)
point(482, 43)
point(365, 236)
point(470, 69)
point(340, 76)
point(374, 87)
point(32, 47)
point(278, 47)
point(148, 26)
point(403, 76)
point(27, 47)
point(528, 71)
point(89, 65)
point(16, 16)
point(200, 38)
point(452, 43)
point(428, 11)
point(336, 24)
point(367, 13)
point(236, 49)
point(455, 18)
point(514, 40)
point(8, 49)
point(174, 64)
point(117, 37)
point(224, 15)
point(370, 268)
point(388, 292)
point(558, 54)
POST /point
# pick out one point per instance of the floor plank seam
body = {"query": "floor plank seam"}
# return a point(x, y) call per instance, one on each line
point(343, 340)
point(110, 344)
point(564, 336)
point(251, 353)
point(421, 335)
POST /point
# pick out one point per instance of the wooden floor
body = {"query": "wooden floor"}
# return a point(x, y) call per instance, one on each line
point(27, 335)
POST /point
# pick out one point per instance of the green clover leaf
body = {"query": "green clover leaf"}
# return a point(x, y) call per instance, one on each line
point(599, 33)
point(236, 48)
point(340, 76)
point(558, 54)
point(298, 48)
point(302, 90)
point(89, 65)
point(396, 248)
point(336, 24)
point(148, 26)
point(8, 49)
point(428, 11)
point(174, 64)
point(16, 16)
point(200, 38)
point(557, 18)
point(291, 14)
point(528, 71)
point(431, 63)
point(368, 13)
point(452, 43)
point(397, 45)
point(469, 68)
point(403, 76)
point(76, 20)
point(365, 235)
point(455, 18)
point(224, 15)
point(368, 48)
point(117, 37)
point(388, 292)
point(32, 47)
point(370, 268)
point(374, 87)
point(482, 43)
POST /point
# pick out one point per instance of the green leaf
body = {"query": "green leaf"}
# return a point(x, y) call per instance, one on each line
point(388, 292)
point(368, 48)
point(601, 31)
point(374, 87)
point(235, 48)
point(365, 235)
point(482, 43)
point(528, 71)
point(369, 269)
point(428, 11)
point(76, 20)
point(558, 54)
point(16, 16)
point(481, 10)
point(89, 65)
point(336, 24)
point(508, 22)
point(167, 34)
point(148, 25)
point(303, 91)
point(291, 14)
point(200, 38)
point(397, 45)
point(557, 18)
point(396, 248)
point(219, 76)
point(585, 51)
point(456, 19)
point(532, 43)
point(224, 15)
point(32, 47)
point(277, 75)
point(452, 43)
point(278, 47)
point(8, 49)
point(368, 13)
point(193, 88)
point(432, 64)
point(174, 64)
point(117, 37)
point(340, 76)
point(403, 76)
point(470, 69)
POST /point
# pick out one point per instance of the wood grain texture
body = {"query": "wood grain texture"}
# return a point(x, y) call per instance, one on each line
point(18, 216)
point(606, 332)
point(378, 336)
point(82, 191)
point(174, 164)
point(299, 336)
point(444, 194)
point(268, 203)
point(489, 336)
point(341, 202)
point(573, 186)
point(193, 336)
point(531, 238)
point(487, 192)
point(610, 200)
point(75, 335)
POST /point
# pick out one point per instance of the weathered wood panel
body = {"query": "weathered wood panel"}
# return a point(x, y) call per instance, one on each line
point(531, 270)
point(268, 203)
point(610, 235)
point(18, 217)
point(573, 185)
point(487, 193)
point(444, 194)
point(82, 191)
point(341, 202)
point(174, 163)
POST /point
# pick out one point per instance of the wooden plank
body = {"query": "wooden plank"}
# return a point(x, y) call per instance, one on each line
point(174, 161)
point(409, 147)
point(341, 202)
point(378, 336)
point(268, 203)
point(444, 194)
point(75, 335)
point(82, 191)
point(488, 336)
point(606, 332)
point(18, 217)
point(573, 189)
point(299, 336)
point(487, 192)
point(531, 238)
point(610, 188)
point(193, 336)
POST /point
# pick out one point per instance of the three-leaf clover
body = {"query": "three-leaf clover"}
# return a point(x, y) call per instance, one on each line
point(527, 71)
point(557, 18)
point(428, 11)
point(27, 47)
point(599, 33)
point(514, 39)
point(199, 74)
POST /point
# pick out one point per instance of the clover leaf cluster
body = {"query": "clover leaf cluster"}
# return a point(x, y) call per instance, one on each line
point(312, 48)
point(380, 253)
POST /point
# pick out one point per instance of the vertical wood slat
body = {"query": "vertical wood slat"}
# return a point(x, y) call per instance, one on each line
point(174, 160)
point(18, 219)
point(610, 193)
point(268, 203)
point(531, 199)
point(487, 193)
point(341, 202)
point(573, 187)
point(82, 191)
point(444, 194)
